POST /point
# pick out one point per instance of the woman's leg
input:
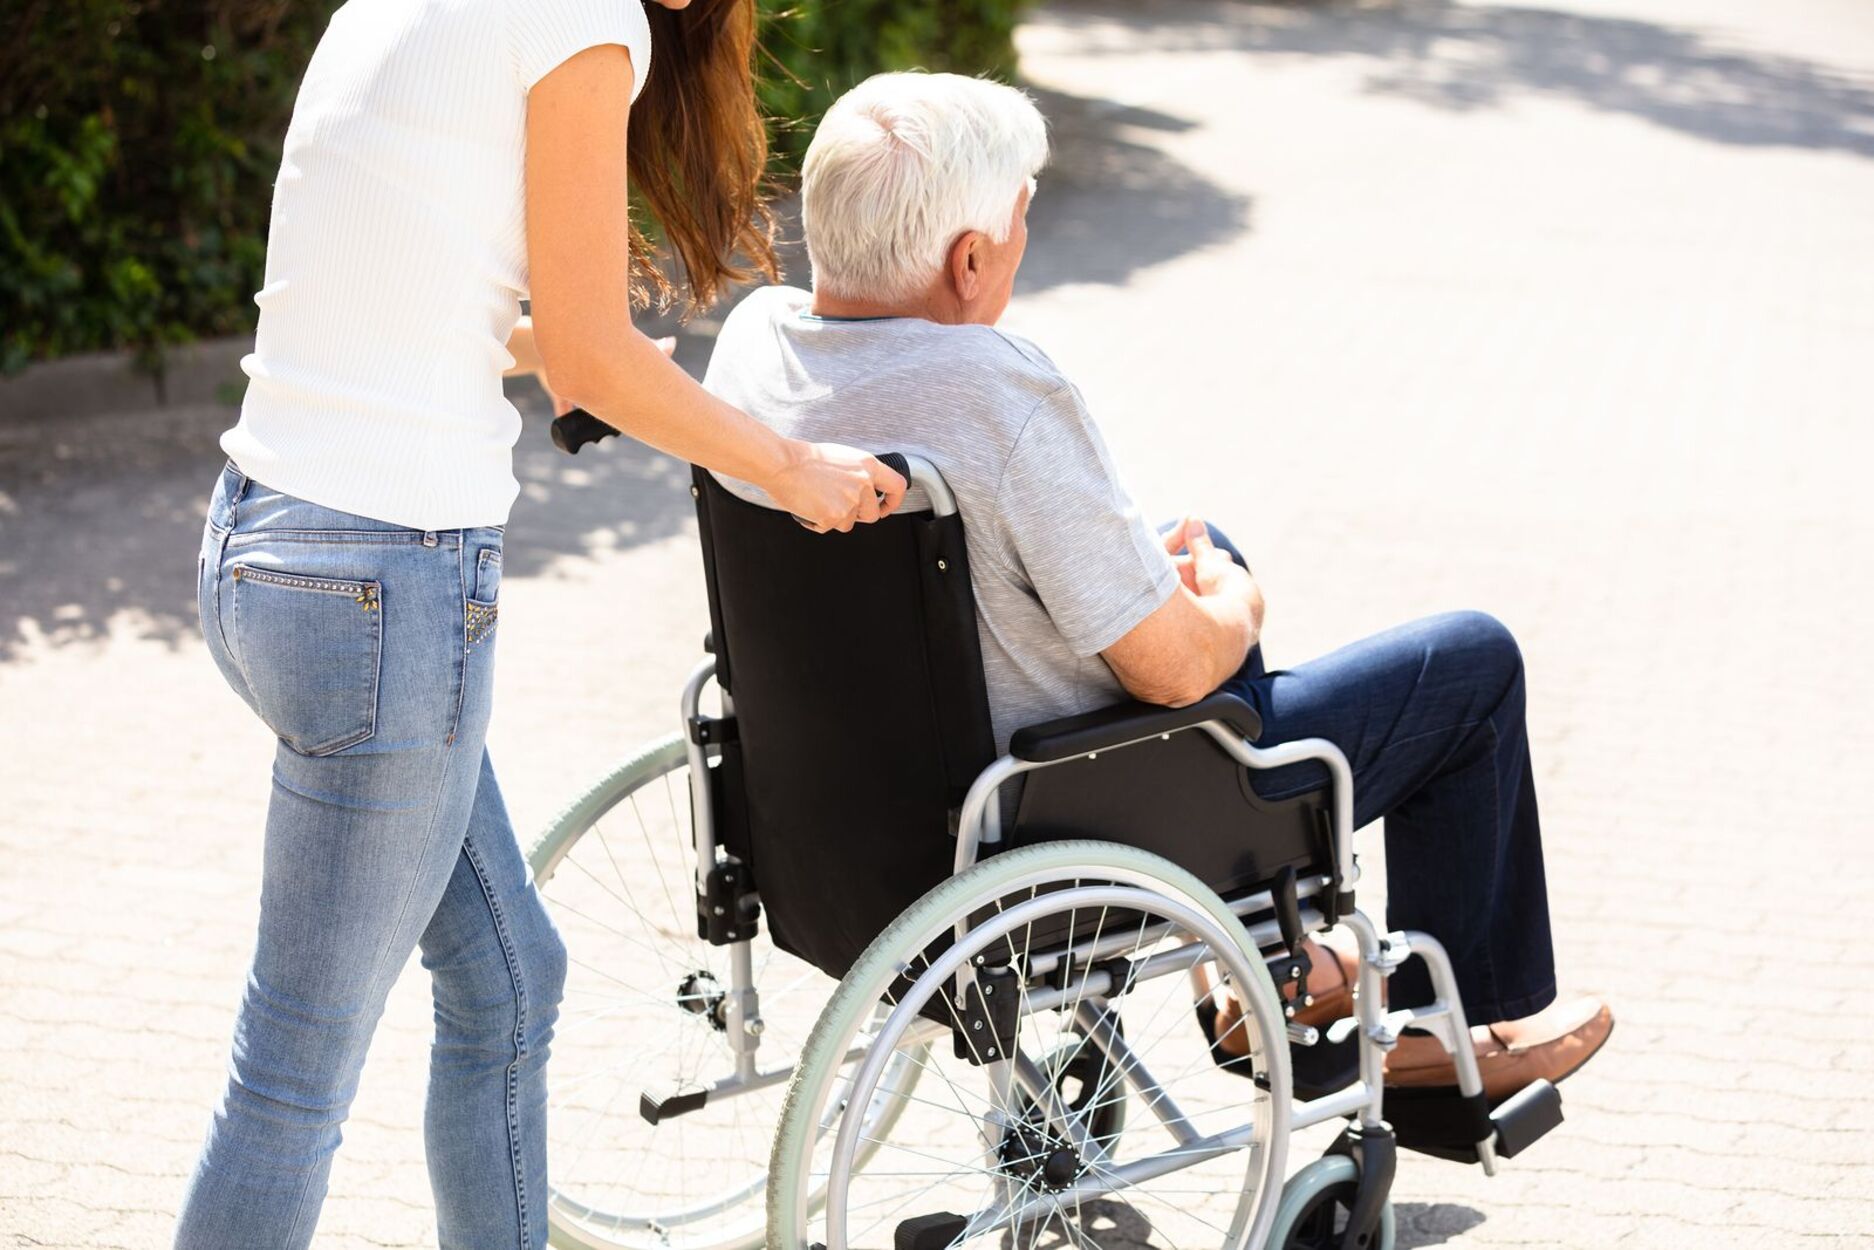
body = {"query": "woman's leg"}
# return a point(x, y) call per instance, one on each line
point(497, 967)
point(348, 638)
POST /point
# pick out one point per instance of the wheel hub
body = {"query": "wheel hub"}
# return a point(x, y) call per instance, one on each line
point(701, 994)
point(1040, 1158)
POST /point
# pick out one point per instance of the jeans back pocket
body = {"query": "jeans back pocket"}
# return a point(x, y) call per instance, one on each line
point(310, 649)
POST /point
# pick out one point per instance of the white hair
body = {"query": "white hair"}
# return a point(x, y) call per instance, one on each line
point(905, 163)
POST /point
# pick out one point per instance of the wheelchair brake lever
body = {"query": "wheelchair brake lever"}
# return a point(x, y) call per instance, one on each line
point(1297, 966)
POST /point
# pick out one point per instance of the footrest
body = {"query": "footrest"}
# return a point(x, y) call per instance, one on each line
point(1439, 1122)
point(655, 1108)
point(928, 1232)
point(1323, 1068)
point(1525, 1116)
point(1446, 1125)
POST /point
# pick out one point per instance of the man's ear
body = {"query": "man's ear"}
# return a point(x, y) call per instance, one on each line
point(966, 265)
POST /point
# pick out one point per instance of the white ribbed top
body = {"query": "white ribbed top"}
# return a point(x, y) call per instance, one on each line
point(397, 256)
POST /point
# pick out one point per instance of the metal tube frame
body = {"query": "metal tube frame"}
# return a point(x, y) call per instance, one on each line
point(742, 1002)
point(1379, 1030)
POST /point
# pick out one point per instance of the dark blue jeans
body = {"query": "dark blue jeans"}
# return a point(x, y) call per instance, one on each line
point(1430, 716)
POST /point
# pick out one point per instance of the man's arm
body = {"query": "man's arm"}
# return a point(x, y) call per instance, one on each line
point(1194, 641)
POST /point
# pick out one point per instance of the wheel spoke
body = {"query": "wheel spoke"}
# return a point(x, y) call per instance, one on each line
point(1050, 1161)
point(637, 1019)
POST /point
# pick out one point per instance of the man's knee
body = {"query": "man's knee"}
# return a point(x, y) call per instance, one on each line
point(1488, 635)
point(1485, 647)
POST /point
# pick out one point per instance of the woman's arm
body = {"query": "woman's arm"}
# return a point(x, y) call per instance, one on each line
point(579, 263)
point(521, 347)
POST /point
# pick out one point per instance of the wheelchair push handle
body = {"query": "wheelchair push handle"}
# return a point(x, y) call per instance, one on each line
point(891, 460)
point(577, 428)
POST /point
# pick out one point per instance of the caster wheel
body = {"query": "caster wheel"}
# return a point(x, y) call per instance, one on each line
point(1315, 1205)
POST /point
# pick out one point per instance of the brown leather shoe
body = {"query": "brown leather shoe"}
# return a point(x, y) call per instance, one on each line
point(1512, 1054)
point(1332, 975)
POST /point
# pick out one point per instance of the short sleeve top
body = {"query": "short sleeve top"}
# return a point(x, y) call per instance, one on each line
point(397, 256)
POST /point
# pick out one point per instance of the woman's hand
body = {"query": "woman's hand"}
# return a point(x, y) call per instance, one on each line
point(830, 487)
point(579, 269)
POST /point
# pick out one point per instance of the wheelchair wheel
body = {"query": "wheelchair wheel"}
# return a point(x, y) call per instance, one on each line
point(642, 1018)
point(1013, 1135)
point(1315, 1205)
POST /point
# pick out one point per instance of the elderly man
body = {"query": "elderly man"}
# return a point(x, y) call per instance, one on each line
point(915, 199)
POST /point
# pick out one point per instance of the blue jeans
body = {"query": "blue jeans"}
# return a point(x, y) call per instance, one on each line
point(368, 650)
point(1430, 715)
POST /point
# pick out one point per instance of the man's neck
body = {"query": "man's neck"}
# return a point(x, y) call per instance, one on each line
point(835, 308)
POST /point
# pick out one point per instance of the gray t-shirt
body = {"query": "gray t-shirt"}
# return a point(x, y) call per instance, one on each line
point(1061, 562)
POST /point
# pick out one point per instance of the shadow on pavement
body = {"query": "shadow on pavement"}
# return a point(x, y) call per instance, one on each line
point(1461, 57)
point(1110, 203)
point(101, 518)
point(1432, 1223)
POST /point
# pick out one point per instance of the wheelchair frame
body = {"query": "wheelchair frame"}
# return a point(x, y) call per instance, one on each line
point(1260, 913)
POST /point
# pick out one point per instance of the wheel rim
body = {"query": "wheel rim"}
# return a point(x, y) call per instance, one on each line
point(644, 1013)
point(943, 1160)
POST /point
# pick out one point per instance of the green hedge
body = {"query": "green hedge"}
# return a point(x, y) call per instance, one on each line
point(816, 49)
point(139, 140)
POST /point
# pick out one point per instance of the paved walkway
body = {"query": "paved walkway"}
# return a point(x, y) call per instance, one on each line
point(1560, 312)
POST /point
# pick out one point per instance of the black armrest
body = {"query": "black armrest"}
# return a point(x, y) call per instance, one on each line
point(1109, 727)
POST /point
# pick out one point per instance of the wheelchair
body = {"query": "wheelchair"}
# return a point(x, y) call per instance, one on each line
point(870, 985)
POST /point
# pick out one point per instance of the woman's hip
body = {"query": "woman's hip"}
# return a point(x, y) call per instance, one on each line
point(345, 634)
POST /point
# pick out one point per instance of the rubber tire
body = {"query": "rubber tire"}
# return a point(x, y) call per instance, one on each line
point(653, 759)
point(1302, 1188)
point(794, 1142)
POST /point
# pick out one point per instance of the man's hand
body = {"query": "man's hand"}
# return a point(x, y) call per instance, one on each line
point(1197, 638)
point(1207, 571)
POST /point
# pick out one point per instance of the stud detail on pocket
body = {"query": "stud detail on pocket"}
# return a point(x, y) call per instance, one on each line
point(481, 620)
point(364, 593)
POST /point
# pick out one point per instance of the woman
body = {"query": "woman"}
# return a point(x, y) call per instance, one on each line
point(445, 160)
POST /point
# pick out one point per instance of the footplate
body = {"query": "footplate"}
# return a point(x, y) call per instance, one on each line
point(1525, 1117)
point(928, 1232)
point(1446, 1125)
point(670, 1103)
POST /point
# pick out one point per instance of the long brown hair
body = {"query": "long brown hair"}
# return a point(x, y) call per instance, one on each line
point(698, 154)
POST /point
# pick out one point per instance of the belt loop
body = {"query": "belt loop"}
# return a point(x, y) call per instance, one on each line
point(429, 538)
point(234, 490)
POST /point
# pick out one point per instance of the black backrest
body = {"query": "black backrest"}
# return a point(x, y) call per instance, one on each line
point(861, 718)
